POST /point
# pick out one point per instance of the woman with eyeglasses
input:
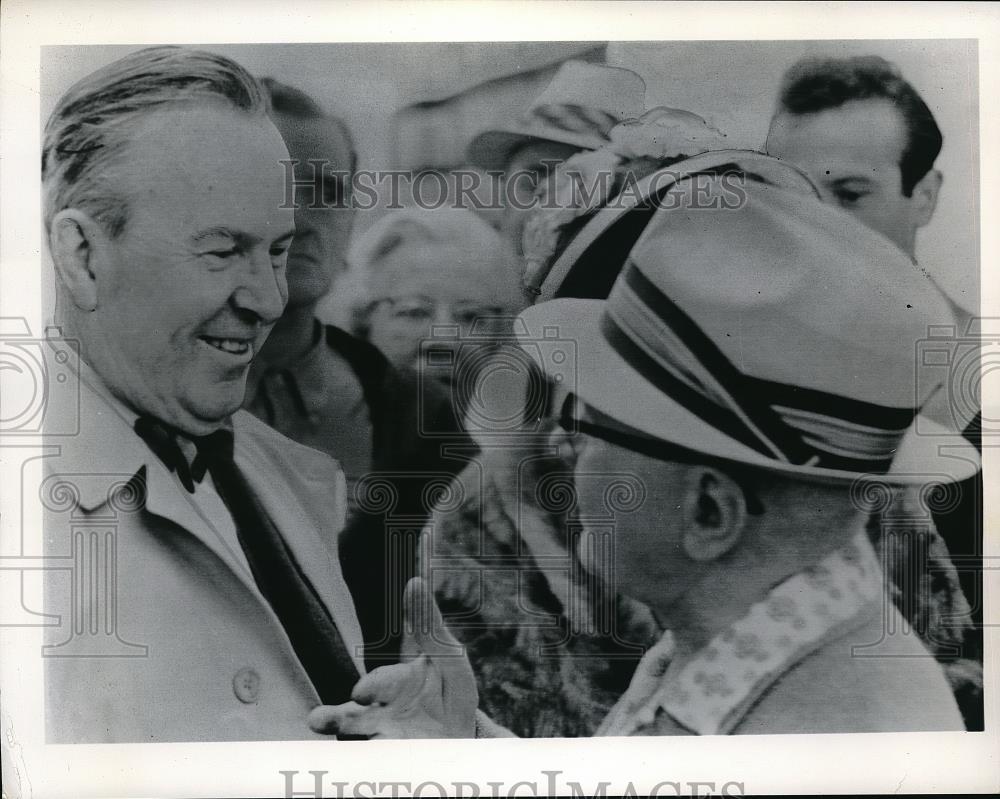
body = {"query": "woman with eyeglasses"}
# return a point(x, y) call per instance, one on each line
point(434, 286)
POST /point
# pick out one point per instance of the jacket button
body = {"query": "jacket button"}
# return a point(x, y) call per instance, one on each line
point(246, 685)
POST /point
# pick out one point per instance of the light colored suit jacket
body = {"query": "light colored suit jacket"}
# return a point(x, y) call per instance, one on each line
point(163, 634)
point(876, 677)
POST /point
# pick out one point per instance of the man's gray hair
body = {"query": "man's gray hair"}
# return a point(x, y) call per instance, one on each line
point(90, 125)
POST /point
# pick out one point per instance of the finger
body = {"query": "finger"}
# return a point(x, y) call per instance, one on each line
point(450, 694)
point(648, 677)
point(432, 636)
point(412, 618)
point(330, 719)
point(456, 684)
point(351, 721)
point(424, 626)
point(659, 655)
point(391, 683)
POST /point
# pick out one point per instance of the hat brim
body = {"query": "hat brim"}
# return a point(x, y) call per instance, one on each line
point(492, 149)
point(604, 379)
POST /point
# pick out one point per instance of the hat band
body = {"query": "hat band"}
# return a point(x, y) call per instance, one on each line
point(789, 424)
point(574, 119)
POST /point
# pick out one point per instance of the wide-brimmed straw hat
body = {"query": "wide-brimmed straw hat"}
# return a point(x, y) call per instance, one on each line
point(754, 323)
point(579, 107)
point(589, 260)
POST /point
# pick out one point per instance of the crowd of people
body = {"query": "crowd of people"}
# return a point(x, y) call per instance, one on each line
point(646, 458)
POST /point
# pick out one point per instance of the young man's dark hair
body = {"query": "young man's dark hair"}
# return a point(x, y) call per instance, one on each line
point(817, 84)
point(295, 103)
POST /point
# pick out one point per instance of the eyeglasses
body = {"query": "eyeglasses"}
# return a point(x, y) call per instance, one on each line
point(420, 312)
point(571, 422)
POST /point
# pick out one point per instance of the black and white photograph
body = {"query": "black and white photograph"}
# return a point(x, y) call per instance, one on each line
point(629, 395)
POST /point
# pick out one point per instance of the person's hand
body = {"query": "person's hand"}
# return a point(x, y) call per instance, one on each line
point(431, 694)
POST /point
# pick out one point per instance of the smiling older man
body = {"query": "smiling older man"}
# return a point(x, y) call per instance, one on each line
point(165, 219)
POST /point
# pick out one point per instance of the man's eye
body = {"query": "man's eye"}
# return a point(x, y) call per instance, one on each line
point(228, 253)
point(279, 252)
point(413, 313)
point(846, 198)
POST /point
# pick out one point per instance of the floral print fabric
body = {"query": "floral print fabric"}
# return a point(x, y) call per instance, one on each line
point(706, 694)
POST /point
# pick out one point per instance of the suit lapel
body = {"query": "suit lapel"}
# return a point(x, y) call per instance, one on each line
point(167, 499)
point(108, 443)
point(317, 562)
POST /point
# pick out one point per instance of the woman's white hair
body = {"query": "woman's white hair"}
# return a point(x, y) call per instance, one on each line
point(453, 229)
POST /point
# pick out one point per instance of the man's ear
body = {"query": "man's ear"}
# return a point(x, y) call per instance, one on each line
point(75, 241)
point(714, 512)
point(925, 197)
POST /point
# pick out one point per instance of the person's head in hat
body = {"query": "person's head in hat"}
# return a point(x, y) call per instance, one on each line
point(748, 370)
point(575, 112)
point(734, 408)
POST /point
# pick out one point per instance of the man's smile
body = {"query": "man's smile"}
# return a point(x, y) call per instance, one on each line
point(233, 348)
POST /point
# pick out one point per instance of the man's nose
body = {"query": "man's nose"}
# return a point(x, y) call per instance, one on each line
point(263, 289)
point(443, 315)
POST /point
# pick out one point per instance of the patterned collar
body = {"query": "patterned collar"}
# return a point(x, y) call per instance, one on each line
point(710, 693)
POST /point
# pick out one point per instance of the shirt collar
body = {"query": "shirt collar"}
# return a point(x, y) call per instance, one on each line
point(710, 693)
point(106, 435)
point(103, 435)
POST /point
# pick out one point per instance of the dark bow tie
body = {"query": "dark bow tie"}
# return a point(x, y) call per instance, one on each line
point(163, 440)
point(311, 630)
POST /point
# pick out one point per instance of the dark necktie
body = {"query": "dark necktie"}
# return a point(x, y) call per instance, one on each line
point(308, 624)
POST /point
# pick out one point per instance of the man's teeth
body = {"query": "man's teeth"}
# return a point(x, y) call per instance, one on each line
point(230, 345)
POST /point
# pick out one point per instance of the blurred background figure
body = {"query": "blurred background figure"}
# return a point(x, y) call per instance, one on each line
point(435, 291)
point(326, 388)
point(575, 112)
point(553, 647)
point(868, 141)
point(865, 137)
point(306, 382)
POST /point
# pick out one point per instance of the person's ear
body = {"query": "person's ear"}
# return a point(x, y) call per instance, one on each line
point(714, 514)
point(75, 242)
point(925, 197)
